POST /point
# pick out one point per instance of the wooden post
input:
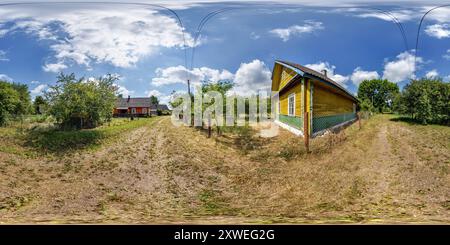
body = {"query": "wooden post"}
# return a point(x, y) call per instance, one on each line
point(306, 131)
point(209, 126)
point(359, 119)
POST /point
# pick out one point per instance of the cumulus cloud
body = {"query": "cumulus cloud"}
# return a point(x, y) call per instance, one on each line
point(252, 77)
point(319, 67)
point(360, 75)
point(447, 55)
point(38, 90)
point(438, 30)
point(124, 91)
point(432, 74)
point(35, 82)
point(5, 77)
point(402, 68)
point(55, 67)
point(153, 92)
point(249, 78)
point(3, 56)
point(179, 74)
point(285, 34)
point(83, 34)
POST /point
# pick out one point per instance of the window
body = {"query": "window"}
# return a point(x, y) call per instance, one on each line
point(291, 105)
point(133, 110)
point(144, 110)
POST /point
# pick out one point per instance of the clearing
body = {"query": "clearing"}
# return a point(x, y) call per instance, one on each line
point(148, 171)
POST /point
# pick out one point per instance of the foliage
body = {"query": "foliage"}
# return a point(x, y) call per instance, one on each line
point(378, 92)
point(81, 103)
point(14, 100)
point(39, 105)
point(427, 101)
point(24, 106)
point(154, 100)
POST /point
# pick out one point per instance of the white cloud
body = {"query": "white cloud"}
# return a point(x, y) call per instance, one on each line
point(153, 92)
point(296, 30)
point(38, 90)
point(400, 15)
point(5, 77)
point(431, 74)
point(124, 91)
point(360, 75)
point(438, 30)
point(35, 82)
point(254, 36)
point(319, 67)
point(249, 78)
point(55, 67)
point(440, 15)
point(447, 55)
point(252, 77)
point(3, 56)
point(400, 69)
point(179, 74)
point(120, 36)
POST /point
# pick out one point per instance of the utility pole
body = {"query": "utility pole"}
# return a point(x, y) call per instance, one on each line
point(189, 87)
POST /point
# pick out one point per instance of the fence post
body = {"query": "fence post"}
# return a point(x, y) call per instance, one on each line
point(359, 119)
point(209, 126)
point(306, 131)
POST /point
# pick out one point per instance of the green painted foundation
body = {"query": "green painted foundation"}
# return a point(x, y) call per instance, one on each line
point(296, 122)
point(324, 122)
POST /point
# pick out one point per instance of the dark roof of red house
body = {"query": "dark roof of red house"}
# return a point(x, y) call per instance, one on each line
point(139, 102)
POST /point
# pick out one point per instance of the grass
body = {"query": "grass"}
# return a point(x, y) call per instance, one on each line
point(388, 171)
point(48, 139)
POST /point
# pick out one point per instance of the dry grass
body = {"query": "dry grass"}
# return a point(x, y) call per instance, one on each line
point(390, 171)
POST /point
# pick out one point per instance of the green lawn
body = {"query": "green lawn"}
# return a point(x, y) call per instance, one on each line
point(32, 138)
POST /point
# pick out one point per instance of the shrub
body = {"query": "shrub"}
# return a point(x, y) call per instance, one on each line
point(81, 103)
point(14, 100)
point(426, 101)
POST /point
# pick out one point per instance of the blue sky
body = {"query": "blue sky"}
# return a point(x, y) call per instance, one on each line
point(145, 45)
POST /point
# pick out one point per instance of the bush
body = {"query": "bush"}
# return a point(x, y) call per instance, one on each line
point(81, 103)
point(14, 101)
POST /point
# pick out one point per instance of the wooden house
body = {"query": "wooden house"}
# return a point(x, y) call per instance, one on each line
point(301, 92)
point(136, 107)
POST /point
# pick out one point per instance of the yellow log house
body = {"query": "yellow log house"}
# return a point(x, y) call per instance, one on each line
point(298, 90)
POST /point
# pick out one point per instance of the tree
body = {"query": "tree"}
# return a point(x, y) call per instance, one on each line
point(154, 100)
point(426, 101)
point(24, 105)
point(380, 92)
point(9, 101)
point(39, 104)
point(81, 103)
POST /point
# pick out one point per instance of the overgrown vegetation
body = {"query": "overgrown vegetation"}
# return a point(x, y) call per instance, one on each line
point(426, 101)
point(81, 103)
point(14, 101)
point(377, 95)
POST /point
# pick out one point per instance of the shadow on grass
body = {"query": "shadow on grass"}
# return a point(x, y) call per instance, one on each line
point(60, 142)
point(412, 121)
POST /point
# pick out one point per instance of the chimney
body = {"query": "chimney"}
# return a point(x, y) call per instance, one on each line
point(324, 72)
point(128, 100)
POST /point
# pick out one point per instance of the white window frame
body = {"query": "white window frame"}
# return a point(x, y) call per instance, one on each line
point(133, 110)
point(144, 110)
point(289, 109)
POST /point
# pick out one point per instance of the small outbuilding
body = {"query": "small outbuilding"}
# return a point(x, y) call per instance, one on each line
point(301, 92)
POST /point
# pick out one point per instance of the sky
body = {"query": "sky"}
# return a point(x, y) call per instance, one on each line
point(154, 52)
